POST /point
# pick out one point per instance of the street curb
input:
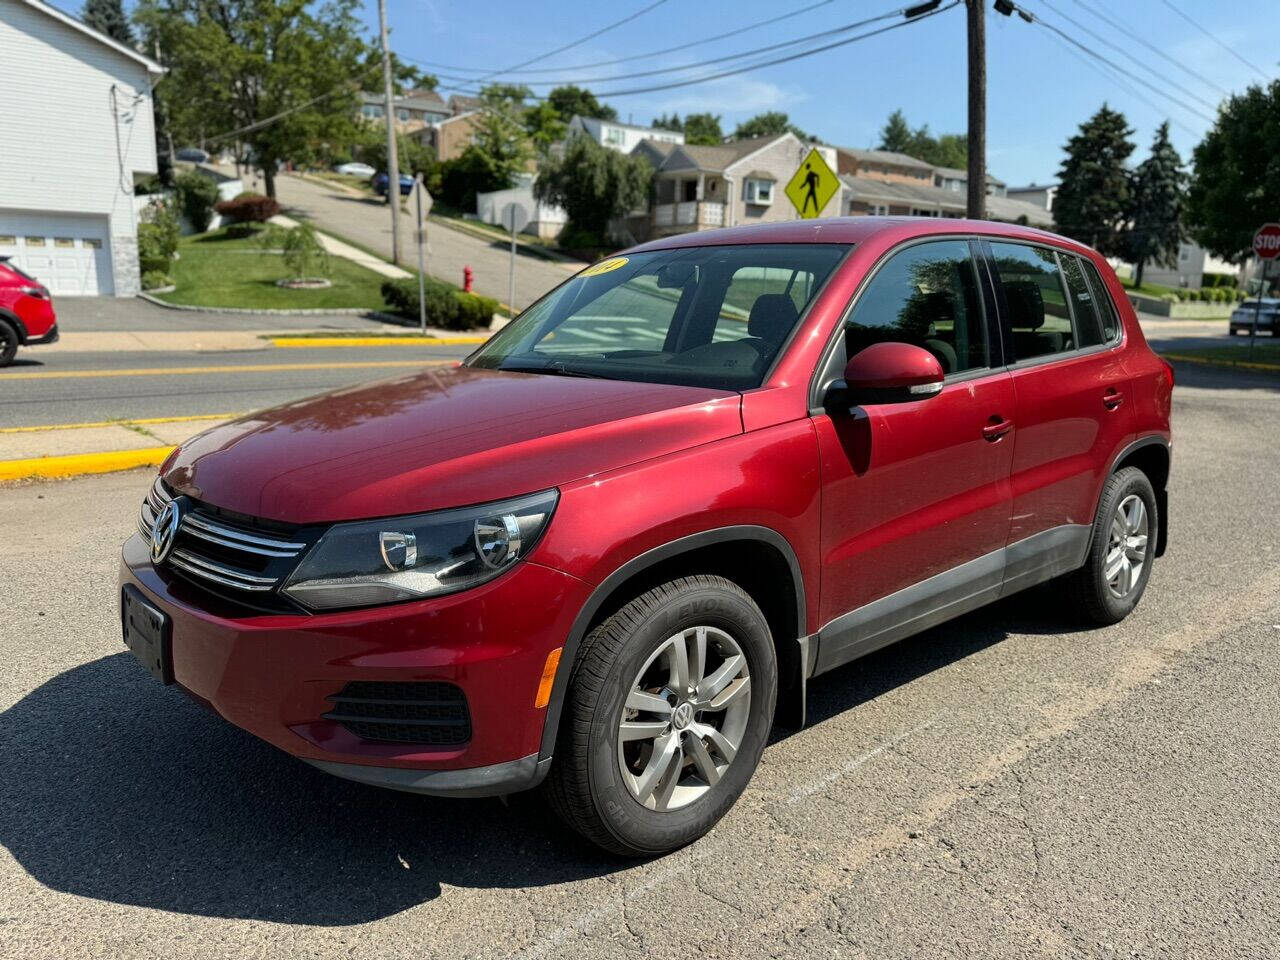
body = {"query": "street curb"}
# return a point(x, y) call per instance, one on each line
point(1213, 362)
point(522, 245)
point(305, 342)
point(333, 312)
point(79, 464)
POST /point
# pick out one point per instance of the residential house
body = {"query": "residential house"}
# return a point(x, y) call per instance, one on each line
point(451, 136)
point(1042, 195)
point(622, 137)
point(957, 181)
point(459, 103)
point(414, 110)
point(67, 210)
point(545, 220)
point(862, 196)
point(883, 165)
point(703, 187)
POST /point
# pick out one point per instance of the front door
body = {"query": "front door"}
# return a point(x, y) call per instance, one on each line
point(915, 496)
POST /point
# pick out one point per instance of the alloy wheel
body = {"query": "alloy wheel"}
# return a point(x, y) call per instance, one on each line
point(1127, 546)
point(684, 718)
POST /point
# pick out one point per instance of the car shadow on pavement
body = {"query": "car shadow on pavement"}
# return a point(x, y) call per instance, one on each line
point(115, 789)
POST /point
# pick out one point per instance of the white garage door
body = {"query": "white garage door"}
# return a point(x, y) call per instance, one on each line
point(68, 254)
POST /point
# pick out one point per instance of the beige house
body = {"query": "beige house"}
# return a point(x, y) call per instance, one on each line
point(742, 181)
point(451, 136)
point(885, 166)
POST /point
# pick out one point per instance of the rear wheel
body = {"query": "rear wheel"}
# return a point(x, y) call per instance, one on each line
point(669, 708)
point(8, 343)
point(1114, 576)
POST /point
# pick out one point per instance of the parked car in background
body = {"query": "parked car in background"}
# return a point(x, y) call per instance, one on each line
point(27, 317)
point(193, 155)
point(355, 169)
point(380, 184)
point(1267, 316)
point(599, 552)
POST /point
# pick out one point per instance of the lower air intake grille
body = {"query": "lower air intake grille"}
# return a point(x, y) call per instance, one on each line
point(430, 713)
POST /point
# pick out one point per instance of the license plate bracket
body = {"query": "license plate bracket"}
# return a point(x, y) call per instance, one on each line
point(147, 633)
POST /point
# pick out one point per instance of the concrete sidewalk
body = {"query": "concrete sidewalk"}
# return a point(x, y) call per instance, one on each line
point(337, 248)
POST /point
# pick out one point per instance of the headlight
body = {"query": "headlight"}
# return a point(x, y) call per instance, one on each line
point(408, 558)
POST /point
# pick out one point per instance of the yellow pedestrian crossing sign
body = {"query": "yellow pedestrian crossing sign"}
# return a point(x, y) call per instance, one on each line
point(812, 186)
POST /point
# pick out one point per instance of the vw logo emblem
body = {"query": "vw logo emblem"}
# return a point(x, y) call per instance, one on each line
point(164, 530)
point(683, 716)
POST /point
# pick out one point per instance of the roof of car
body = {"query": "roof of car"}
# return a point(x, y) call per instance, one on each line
point(851, 230)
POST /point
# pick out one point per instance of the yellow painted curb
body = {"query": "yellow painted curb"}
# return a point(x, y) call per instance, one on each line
point(1217, 362)
point(371, 341)
point(81, 463)
point(145, 421)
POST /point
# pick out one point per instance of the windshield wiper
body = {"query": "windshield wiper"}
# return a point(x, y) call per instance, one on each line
point(555, 369)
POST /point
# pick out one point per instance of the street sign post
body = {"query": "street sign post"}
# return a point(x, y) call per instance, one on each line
point(1266, 247)
point(424, 200)
point(515, 217)
point(811, 186)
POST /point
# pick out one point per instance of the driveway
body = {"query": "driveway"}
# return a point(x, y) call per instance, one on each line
point(368, 222)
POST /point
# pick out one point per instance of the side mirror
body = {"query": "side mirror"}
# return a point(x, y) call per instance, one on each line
point(887, 373)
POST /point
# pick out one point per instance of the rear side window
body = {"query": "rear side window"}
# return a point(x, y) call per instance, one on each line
point(1036, 300)
point(1107, 309)
point(1083, 306)
point(927, 296)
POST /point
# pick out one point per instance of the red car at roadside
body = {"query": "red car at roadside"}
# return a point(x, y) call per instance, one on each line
point(27, 318)
point(605, 552)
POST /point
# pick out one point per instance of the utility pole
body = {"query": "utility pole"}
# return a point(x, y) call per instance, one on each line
point(977, 199)
point(393, 160)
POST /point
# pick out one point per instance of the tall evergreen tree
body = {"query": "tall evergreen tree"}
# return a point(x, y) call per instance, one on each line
point(664, 122)
point(107, 16)
point(896, 133)
point(1093, 196)
point(1157, 195)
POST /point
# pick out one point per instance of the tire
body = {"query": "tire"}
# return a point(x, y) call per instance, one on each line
point(1093, 595)
point(8, 343)
point(612, 790)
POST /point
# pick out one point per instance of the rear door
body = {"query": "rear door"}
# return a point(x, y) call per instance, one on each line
point(1073, 403)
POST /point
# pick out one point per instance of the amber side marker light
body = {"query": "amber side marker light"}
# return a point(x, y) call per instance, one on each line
point(548, 678)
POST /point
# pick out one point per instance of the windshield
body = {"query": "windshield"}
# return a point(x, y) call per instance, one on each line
point(713, 316)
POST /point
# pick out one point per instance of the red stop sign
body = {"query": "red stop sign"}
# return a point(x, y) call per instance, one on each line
point(1266, 242)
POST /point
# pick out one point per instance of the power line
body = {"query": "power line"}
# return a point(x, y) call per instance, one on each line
point(638, 56)
point(768, 63)
point(1251, 66)
point(1114, 46)
point(267, 121)
point(1138, 38)
point(572, 44)
point(706, 63)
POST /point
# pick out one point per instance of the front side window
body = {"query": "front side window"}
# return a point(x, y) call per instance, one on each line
point(928, 296)
point(1036, 300)
point(715, 316)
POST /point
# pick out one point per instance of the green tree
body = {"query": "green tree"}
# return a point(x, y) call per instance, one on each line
point(544, 126)
point(896, 133)
point(277, 76)
point(945, 150)
point(107, 16)
point(1157, 195)
point(1236, 184)
point(703, 128)
point(1093, 198)
point(569, 100)
point(673, 123)
point(500, 133)
point(411, 155)
point(770, 124)
point(594, 185)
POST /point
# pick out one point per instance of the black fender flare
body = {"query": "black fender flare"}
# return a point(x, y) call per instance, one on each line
point(18, 325)
point(1162, 492)
point(638, 564)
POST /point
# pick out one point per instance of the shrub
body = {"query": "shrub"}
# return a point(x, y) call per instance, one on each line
point(304, 254)
point(157, 238)
point(446, 306)
point(1205, 295)
point(197, 195)
point(1220, 279)
point(1241, 296)
point(152, 279)
point(248, 207)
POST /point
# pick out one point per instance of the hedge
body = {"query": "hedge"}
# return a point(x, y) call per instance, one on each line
point(248, 207)
point(446, 306)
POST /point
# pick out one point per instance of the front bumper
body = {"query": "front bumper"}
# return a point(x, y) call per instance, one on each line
point(270, 674)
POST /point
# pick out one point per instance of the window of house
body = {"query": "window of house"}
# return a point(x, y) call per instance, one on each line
point(921, 212)
point(371, 110)
point(759, 191)
point(64, 242)
point(8, 240)
point(35, 241)
point(91, 243)
point(1036, 300)
point(928, 296)
point(402, 116)
point(880, 209)
point(613, 135)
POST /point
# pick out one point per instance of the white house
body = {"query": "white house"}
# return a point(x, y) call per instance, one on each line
point(545, 219)
point(620, 136)
point(79, 128)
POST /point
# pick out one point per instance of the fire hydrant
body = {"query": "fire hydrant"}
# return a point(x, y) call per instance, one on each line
point(466, 279)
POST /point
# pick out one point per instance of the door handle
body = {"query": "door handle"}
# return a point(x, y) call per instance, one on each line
point(1112, 398)
point(996, 428)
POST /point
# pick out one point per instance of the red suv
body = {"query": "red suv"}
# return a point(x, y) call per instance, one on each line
point(604, 550)
point(26, 312)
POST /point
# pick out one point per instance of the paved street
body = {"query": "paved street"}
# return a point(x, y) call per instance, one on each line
point(1002, 786)
point(368, 222)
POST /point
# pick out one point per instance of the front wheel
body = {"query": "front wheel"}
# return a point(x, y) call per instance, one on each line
point(668, 709)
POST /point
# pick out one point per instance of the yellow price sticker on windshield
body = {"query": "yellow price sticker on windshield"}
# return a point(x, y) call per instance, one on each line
point(604, 266)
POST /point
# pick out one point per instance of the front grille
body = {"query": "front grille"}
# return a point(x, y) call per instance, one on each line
point(234, 557)
point(431, 713)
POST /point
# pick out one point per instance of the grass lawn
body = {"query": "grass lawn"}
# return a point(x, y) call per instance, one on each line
point(1265, 351)
point(216, 270)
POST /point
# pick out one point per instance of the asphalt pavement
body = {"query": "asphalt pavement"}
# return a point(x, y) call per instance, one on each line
point(1005, 785)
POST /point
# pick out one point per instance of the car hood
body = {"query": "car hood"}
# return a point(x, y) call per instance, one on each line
point(441, 438)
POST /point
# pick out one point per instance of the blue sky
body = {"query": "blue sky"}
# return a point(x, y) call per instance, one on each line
point(1039, 89)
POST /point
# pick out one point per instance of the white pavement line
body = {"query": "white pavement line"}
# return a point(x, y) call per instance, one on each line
point(678, 864)
point(339, 249)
